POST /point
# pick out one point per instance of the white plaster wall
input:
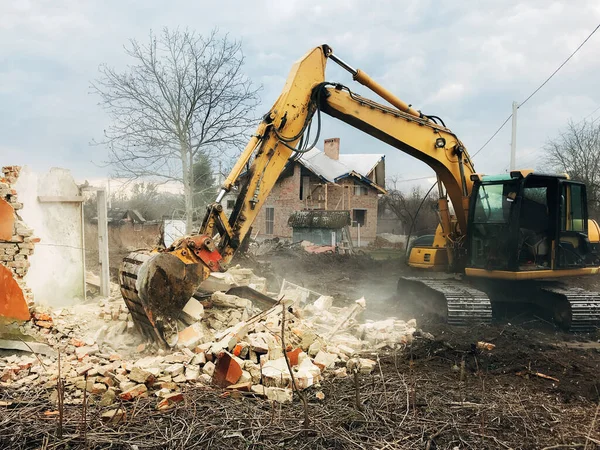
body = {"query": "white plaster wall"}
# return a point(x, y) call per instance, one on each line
point(56, 275)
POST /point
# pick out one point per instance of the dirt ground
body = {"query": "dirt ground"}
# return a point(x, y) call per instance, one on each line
point(538, 388)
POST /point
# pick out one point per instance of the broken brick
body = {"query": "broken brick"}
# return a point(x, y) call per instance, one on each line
point(191, 336)
point(169, 401)
point(244, 387)
point(42, 316)
point(141, 376)
point(292, 356)
point(139, 390)
point(227, 371)
point(114, 416)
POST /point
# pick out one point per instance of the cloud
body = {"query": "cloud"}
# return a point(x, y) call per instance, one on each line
point(462, 62)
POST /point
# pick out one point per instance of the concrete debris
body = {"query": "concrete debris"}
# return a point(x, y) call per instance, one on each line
point(114, 416)
point(136, 391)
point(224, 342)
point(34, 347)
point(169, 401)
point(194, 309)
point(279, 395)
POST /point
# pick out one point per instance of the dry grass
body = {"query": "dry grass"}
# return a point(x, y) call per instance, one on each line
point(444, 415)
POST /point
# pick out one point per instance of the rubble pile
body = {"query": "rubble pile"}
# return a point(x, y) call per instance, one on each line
point(15, 252)
point(227, 344)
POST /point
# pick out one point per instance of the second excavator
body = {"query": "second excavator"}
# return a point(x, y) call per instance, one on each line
point(506, 232)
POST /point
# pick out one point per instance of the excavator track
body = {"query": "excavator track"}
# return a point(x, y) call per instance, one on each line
point(583, 312)
point(464, 304)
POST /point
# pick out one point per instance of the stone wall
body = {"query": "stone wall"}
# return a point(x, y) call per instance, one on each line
point(15, 252)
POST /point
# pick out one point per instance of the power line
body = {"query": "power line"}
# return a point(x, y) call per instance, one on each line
point(561, 66)
point(415, 179)
point(538, 88)
point(492, 136)
point(589, 115)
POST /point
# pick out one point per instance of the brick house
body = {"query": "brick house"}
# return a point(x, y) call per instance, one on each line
point(326, 180)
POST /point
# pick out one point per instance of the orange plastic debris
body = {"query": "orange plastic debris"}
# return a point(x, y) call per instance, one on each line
point(237, 350)
point(12, 300)
point(7, 220)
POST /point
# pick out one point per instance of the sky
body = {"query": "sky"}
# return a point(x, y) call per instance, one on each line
point(463, 61)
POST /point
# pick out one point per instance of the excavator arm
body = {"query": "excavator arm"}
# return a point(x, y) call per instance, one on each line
point(157, 285)
point(305, 95)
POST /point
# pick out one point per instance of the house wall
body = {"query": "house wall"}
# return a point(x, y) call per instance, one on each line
point(285, 198)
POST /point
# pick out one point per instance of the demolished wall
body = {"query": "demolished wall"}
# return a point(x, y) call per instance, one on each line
point(56, 275)
point(16, 250)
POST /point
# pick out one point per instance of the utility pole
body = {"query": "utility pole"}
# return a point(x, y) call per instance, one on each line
point(103, 243)
point(513, 140)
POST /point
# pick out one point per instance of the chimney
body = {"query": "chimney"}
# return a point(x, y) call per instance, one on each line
point(331, 147)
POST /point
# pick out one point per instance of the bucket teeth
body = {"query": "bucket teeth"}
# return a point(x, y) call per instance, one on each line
point(128, 276)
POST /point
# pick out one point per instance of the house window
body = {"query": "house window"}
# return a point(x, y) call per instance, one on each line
point(359, 217)
point(360, 189)
point(230, 204)
point(270, 219)
point(305, 188)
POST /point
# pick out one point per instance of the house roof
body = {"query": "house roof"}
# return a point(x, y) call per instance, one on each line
point(120, 215)
point(348, 165)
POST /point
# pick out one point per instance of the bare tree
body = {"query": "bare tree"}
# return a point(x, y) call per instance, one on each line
point(405, 205)
point(182, 95)
point(576, 151)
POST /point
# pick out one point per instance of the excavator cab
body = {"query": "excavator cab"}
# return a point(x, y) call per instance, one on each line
point(525, 225)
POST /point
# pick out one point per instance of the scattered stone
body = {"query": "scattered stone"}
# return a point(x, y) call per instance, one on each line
point(205, 379)
point(361, 365)
point(243, 387)
point(174, 369)
point(180, 378)
point(194, 309)
point(108, 398)
point(86, 350)
point(141, 376)
point(199, 359)
point(139, 390)
point(279, 395)
point(325, 359)
point(259, 389)
point(114, 416)
point(192, 336)
point(209, 368)
point(192, 373)
point(169, 401)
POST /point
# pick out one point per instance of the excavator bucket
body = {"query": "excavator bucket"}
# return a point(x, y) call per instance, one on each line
point(13, 305)
point(156, 286)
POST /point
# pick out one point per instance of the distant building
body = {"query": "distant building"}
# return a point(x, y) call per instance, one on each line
point(326, 180)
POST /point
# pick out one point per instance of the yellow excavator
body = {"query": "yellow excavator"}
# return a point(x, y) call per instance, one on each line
point(506, 233)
